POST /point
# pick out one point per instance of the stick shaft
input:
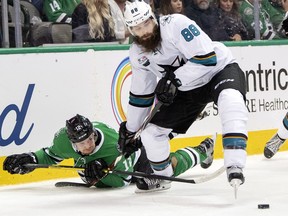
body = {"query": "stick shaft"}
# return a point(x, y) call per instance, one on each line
point(53, 166)
point(198, 180)
point(148, 119)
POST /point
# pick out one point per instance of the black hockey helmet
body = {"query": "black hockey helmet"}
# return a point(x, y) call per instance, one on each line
point(79, 128)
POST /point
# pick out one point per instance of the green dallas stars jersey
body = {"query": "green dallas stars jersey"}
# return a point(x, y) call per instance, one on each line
point(106, 149)
point(60, 10)
point(62, 148)
point(270, 19)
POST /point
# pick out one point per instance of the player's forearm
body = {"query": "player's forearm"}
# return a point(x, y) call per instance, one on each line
point(44, 158)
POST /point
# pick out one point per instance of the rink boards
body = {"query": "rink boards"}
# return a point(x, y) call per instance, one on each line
point(42, 87)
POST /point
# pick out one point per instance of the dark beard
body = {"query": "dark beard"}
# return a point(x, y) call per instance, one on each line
point(150, 44)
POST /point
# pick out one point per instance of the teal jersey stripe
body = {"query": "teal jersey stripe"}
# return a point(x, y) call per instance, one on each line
point(210, 60)
point(141, 101)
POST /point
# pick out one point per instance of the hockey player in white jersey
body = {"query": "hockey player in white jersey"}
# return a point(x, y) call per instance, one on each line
point(192, 71)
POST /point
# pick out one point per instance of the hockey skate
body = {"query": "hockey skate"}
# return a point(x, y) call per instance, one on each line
point(272, 146)
point(235, 177)
point(206, 147)
point(145, 185)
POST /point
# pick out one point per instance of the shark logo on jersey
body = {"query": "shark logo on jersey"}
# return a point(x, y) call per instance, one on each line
point(178, 62)
point(166, 19)
point(165, 68)
point(144, 61)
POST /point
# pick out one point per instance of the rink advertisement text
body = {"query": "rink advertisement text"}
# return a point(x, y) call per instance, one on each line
point(267, 87)
point(263, 105)
point(266, 79)
point(18, 136)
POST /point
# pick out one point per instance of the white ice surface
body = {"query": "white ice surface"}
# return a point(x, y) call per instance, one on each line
point(266, 183)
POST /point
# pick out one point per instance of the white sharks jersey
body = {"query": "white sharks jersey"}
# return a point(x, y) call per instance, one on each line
point(184, 45)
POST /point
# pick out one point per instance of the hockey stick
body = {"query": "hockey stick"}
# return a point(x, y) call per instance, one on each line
point(202, 179)
point(71, 184)
point(148, 119)
point(53, 166)
point(62, 184)
point(198, 180)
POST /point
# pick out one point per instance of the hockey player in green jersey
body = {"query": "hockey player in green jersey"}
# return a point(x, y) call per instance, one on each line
point(93, 145)
point(59, 10)
point(270, 19)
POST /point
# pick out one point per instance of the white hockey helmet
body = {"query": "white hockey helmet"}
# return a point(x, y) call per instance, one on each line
point(137, 12)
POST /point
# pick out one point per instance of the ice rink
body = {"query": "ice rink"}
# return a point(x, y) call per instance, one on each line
point(266, 183)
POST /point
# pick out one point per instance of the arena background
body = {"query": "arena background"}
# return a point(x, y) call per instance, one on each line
point(42, 87)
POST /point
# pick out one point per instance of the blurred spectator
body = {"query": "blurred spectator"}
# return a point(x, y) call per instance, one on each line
point(79, 16)
point(229, 14)
point(285, 22)
point(276, 12)
point(38, 4)
point(270, 19)
point(170, 6)
point(207, 17)
point(282, 24)
point(59, 10)
point(154, 6)
point(1, 40)
point(156, 3)
point(121, 31)
point(107, 13)
point(93, 22)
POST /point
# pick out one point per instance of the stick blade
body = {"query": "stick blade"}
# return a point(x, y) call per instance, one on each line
point(71, 184)
point(210, 176)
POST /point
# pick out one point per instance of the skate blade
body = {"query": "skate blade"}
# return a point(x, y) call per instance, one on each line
point(235, 183)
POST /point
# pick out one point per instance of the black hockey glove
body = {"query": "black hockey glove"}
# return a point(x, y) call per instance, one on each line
point(285, 26)
point(166, 89)
point(14, 164)
point(126, 142)
point(94, 170)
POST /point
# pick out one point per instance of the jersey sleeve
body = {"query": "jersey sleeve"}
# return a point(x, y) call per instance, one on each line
point(45, 156)
point(141, 96)
point(59, 150)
